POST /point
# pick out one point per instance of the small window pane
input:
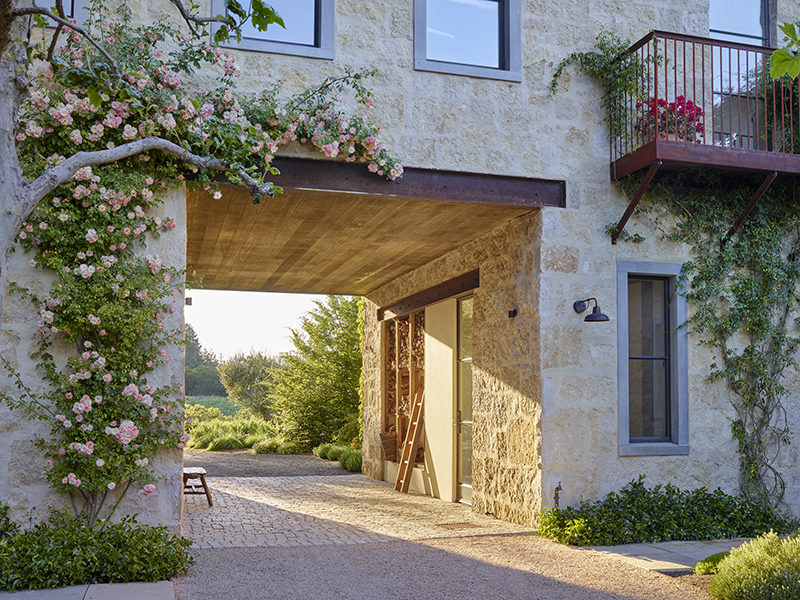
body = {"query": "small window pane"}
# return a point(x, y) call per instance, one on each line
point(737, 16)
point(465, 463)
point(464, 31)
point(465, 328)
point(465, 390)
point(647, 317)
point(300, 18)
point(648, 407)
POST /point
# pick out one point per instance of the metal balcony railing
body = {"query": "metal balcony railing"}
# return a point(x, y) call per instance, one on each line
point(696, 100)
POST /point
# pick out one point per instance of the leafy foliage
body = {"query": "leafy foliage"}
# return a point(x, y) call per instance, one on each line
point(351, 460)
point(225, 433)
point(248, 379)
point(63, 551)
point(709, 566)
point(660, 514)
point(7, 526)
point(745, 290)
point(786, 61)
point(768, 568)
point(268, 445)
point(225, 405)
point(109, 95)
point(201, 375)
point(617, 69)
point(316, 393)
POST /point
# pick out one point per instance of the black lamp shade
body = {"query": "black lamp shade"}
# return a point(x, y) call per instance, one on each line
point(596, 315)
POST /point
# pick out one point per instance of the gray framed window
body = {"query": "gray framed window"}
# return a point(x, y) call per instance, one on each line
point(309, 29)
point(653, 360)
point(742, 21)
point(475, 38)
point(75, 9)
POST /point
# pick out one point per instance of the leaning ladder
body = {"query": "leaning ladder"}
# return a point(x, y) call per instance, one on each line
point(411, 443)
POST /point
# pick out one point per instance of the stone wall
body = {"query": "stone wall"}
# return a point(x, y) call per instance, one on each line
point(506, 379)
point(22, 485)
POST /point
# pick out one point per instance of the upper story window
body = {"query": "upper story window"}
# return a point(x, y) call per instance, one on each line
point(477, 38)
point(653, 361)
point(309, 29)
point(76, 9)
point(743, 21)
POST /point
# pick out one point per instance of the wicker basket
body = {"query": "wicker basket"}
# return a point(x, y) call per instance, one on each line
point(389, 442)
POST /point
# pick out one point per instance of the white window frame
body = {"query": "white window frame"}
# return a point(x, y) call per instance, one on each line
point(323, 50)
point(679, 362)
point(511, 53)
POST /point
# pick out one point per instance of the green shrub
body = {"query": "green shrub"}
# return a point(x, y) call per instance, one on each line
point(197, 413)
point(226, 443)
point(708, 566)
point(336, 451)
point(293, 448)
point(351, 460)
point(321, 451)
point(242, 427)
point(768, 568)
point(267, 446)
point(350, 431)
point(663, 513)
point(228, 407)
point(62, 552)
point(252, 439)
point(7, 526)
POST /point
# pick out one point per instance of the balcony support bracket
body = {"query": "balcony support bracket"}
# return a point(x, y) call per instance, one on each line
point(749, 208)
point(636, 198)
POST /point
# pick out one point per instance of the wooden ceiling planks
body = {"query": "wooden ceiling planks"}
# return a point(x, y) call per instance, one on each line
point(330, 241)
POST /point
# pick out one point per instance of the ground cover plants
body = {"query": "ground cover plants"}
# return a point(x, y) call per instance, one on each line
point(349, 458)
point(64, 551)
point(743, 287)
point(638, 514)
point(767, 568)
point(220, 432)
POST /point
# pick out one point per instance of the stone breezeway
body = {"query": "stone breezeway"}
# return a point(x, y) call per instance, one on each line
point(273, 512)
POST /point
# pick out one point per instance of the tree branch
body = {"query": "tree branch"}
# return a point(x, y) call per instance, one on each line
point(35, 10)
point(190, 18)
point(63, 173)
point(57, 32)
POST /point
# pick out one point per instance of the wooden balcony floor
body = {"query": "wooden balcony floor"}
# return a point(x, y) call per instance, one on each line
point(677, 155)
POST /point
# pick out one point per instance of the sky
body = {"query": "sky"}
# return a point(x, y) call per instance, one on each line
point(231, 322)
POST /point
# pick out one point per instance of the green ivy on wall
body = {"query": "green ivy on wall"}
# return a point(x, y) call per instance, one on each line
point(745, 295)
point(744, 290)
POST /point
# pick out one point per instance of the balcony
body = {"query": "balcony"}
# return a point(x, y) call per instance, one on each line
point(700, 103)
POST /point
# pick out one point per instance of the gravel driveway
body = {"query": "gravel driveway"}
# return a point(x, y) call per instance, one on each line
point(243, 463)
point(465, 566)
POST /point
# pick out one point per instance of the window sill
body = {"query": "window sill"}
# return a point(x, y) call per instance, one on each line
point(658, 449)
point(467, 70)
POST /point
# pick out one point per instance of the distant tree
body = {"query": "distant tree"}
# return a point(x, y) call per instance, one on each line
point(202, 377)
point(196, 355)
point(315, 394)
point(248, 378)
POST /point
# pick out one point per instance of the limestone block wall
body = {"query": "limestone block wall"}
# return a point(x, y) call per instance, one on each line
point(22, 485)
point(506, 380)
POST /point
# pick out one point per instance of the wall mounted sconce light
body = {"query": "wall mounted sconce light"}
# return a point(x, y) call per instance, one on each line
point(512, 313)
point(187, 301)
point(596, 316)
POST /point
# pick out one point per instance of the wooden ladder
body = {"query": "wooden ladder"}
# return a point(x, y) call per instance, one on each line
point(411, 444)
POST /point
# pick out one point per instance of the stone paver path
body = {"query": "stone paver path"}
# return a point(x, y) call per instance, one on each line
point(253, 512)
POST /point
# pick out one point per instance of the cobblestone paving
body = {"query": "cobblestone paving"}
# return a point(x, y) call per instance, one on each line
point(260, 512)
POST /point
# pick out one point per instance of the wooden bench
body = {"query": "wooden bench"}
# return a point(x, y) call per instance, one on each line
point(189, 487)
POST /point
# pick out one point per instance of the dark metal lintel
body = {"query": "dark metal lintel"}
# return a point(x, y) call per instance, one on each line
point(443, 291)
